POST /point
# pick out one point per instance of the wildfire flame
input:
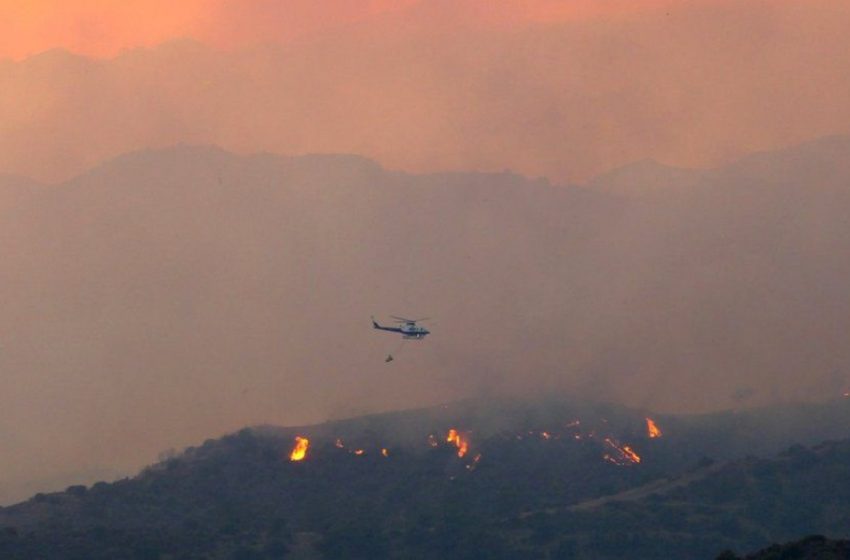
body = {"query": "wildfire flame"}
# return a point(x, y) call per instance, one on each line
point(652, 429)
point(299, 452)
point(630, 454)
point(459, 440)
point(626, 455)
point(614, 452)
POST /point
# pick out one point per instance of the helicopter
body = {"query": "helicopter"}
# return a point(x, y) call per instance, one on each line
point(407, 327)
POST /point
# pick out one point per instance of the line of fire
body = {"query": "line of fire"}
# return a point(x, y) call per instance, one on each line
point(612, 450)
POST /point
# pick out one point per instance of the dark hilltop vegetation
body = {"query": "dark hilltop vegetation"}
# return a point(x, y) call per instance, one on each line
point(815, 547)
point(473, 479)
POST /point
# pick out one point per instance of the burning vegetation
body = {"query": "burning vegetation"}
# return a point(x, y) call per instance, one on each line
point(299, 452)
point(652, 429)
point(571, 433)
point(460, 440)
point(623, 455)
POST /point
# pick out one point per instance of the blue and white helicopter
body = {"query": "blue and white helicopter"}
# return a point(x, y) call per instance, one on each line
point(408, 328)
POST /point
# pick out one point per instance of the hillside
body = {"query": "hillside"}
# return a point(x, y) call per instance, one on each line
point(744, 504)
point(522, 479)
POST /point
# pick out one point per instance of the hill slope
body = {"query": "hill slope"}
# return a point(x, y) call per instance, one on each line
point(523, 480)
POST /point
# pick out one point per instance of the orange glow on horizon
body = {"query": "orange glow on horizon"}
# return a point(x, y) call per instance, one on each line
point(94, 27)
point(103, 28)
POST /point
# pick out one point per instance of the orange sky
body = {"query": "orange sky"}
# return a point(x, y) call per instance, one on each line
point(564, 89)
point(104, 27)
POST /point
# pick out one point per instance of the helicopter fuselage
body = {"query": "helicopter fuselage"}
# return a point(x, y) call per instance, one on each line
point(410, 330)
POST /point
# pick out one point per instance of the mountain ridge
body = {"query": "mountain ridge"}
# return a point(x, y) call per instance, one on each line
point(831, 148)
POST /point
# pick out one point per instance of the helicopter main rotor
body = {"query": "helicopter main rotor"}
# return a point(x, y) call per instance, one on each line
point(408, 321)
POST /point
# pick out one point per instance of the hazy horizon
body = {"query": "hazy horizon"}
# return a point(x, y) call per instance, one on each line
point(537, 87)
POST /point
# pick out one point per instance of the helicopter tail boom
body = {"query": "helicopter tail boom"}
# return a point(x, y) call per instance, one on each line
point(383, 328)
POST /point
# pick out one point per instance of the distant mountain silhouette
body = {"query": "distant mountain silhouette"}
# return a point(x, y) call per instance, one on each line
point(436, 87)
point(646, 177)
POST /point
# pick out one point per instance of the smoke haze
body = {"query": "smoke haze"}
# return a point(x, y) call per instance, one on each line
point(437, 87)
point(172, 295)
point(156, 295)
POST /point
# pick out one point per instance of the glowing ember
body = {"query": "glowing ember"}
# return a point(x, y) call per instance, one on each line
point(359, 452)
point(299, 452)
point(546, 435)
point(625, 454)
point(652, 429)
point(847, 394)
point(474, 463)
point(462, 448)
point(459, 440)
point(432, 440)
point(630, 454)
point(339, 443)
point(384, 452)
